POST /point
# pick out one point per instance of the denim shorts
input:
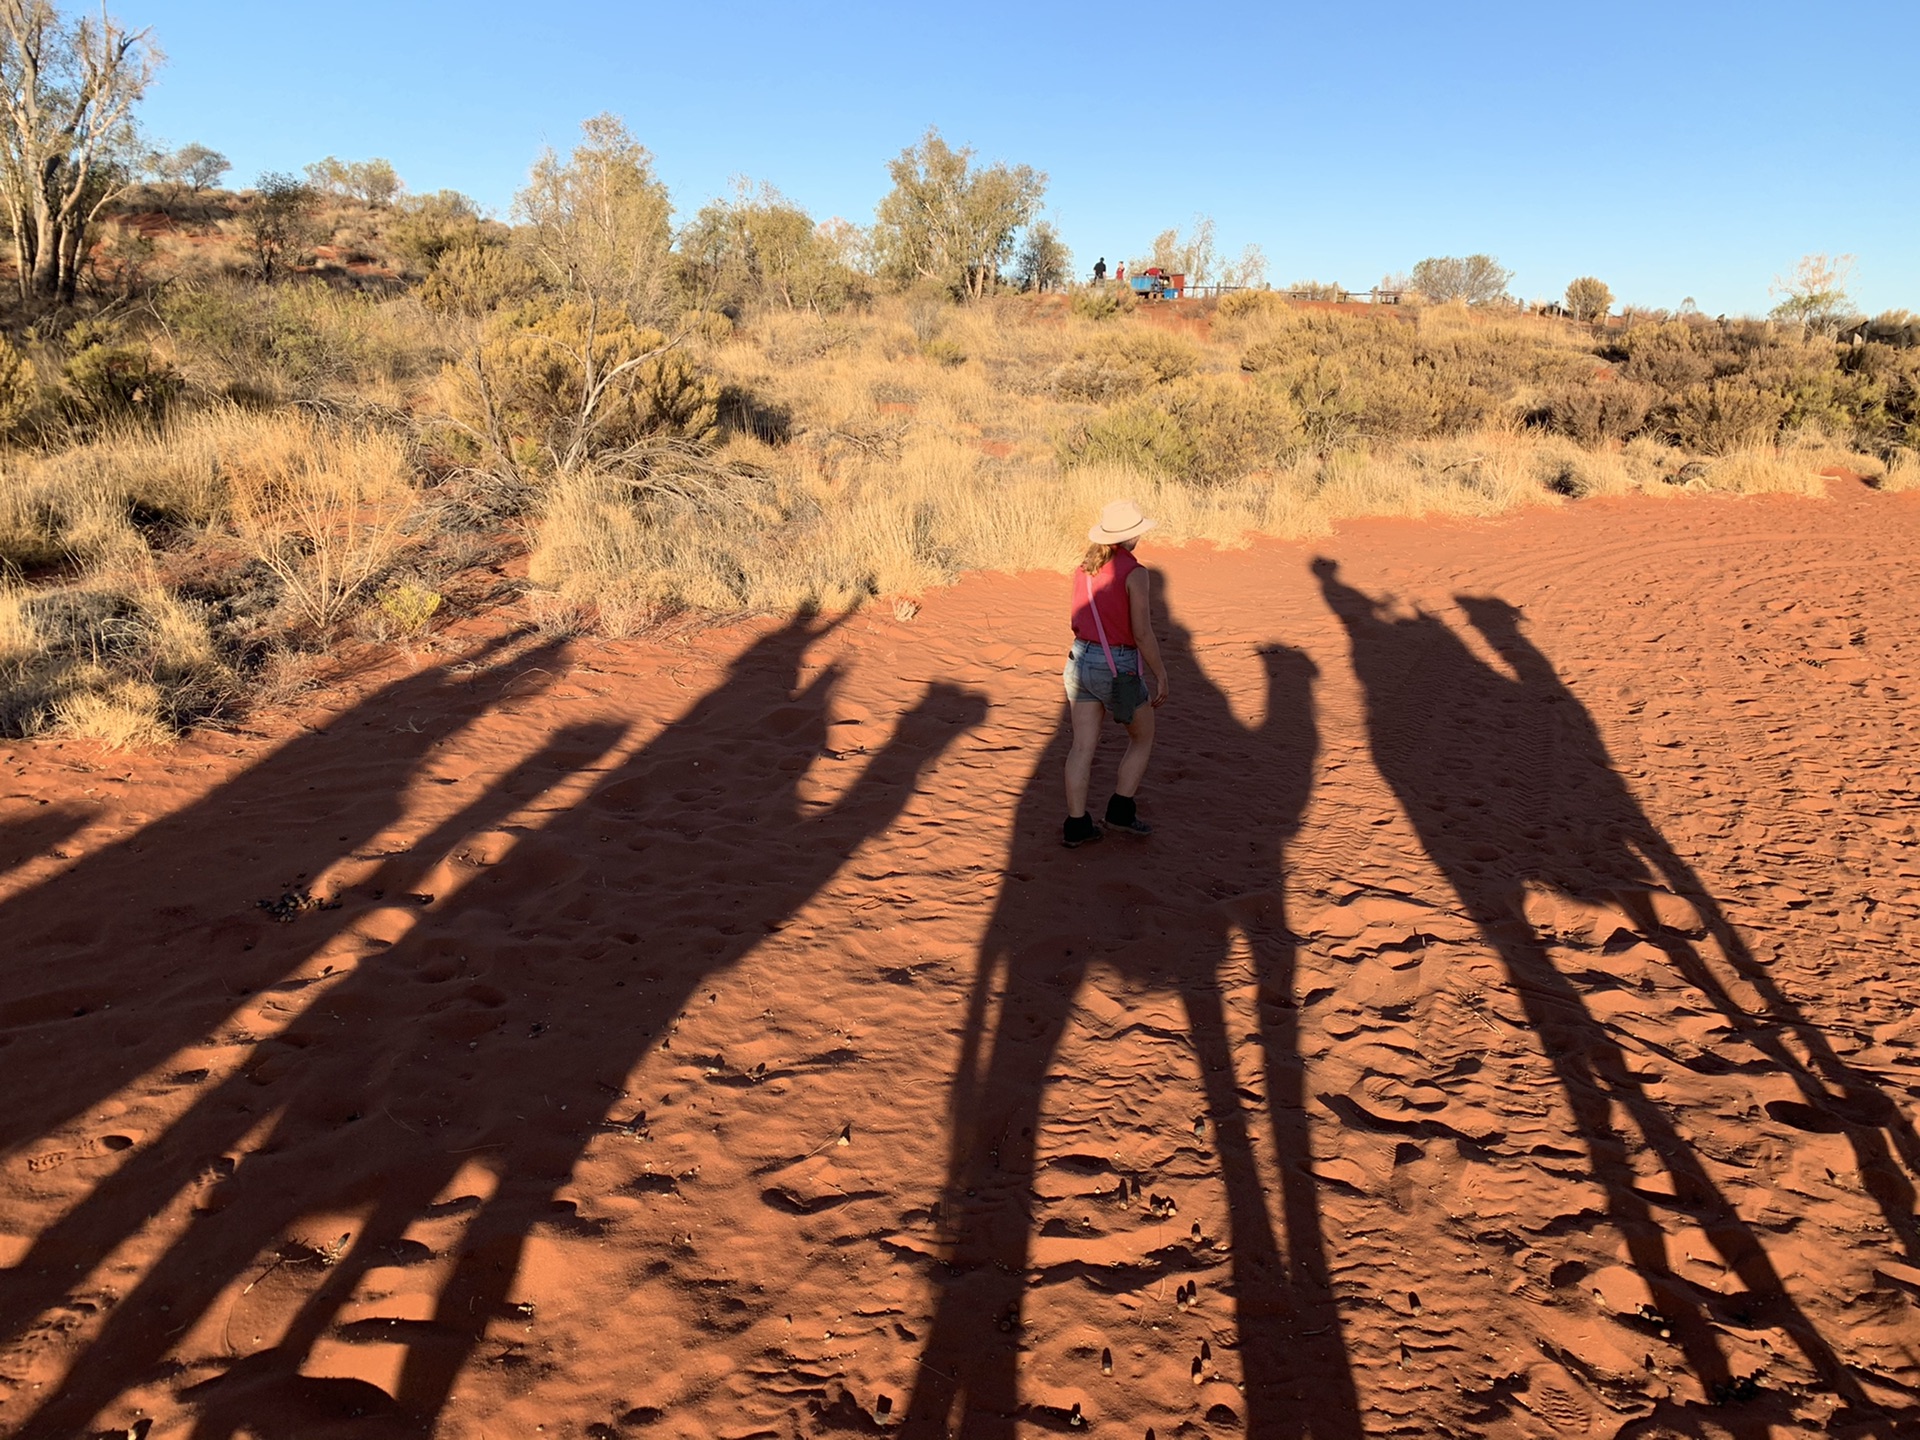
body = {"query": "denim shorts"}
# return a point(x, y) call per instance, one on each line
point(1087, 676)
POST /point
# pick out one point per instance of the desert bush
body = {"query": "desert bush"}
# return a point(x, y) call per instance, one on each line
point(1588, 298)
point(325, 509)
point(1598, 409)
point(1474, 279)
point(425, 227)
point(1244, 304)
point(1098, 377)
point(1722, 416)
point(1668, 356)
point(1203, 430)
point(479, 279)
point(102, 381)
point(122, 664)
point(1369, 377)
point(1123, 363)
point(409, 607)
point(1315, 290)
point(555, 383)
point(19, 390)
point(944, 350)
point(1102, 302)
point(298, 341)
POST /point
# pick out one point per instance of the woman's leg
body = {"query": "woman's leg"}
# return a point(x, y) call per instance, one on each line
point(1087, 715)
point(1133, 764)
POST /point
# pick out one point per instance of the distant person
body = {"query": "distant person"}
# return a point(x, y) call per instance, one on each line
point(1112, 635)
point(1120, 273)
point(1100, 270)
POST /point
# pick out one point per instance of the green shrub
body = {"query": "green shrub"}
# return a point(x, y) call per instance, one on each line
point(118, 382)
point(1205, 431)
point(1122, 364)
point(1246, 304)
point(1588, 298)
point(1721, 416)
point(410, 607)
point(19, 390)
point(428, 226)
point(1103, 302)
point(479, 279)
point(536, 367)
point(942, 350)
point(294, 341)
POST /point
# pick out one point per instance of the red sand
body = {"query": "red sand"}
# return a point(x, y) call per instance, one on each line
point(1508, 1032)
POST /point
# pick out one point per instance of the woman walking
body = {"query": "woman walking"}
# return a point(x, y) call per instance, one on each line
point(1112, 637)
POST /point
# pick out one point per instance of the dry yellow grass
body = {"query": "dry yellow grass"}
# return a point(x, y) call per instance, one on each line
point(880, 453)
point(106, 649)
point(1902, 472)
point(904, 471)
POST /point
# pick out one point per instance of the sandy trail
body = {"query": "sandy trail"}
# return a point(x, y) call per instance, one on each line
point(1508, 1032)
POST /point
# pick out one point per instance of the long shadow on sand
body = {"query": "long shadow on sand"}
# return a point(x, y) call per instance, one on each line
point(99, 988)
point(1508, 782)
point(1164, 915)
point(500, 1031)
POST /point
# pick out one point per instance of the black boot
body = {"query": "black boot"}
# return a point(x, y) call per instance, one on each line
point(1080, 830)
point(1122, 814)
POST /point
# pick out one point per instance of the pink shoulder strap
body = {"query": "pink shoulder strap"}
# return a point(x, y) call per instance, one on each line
point(1100, 627)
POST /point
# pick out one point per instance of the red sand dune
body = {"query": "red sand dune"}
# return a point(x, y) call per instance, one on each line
point(1508, 1032)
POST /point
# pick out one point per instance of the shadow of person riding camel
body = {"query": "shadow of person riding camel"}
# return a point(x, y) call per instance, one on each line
point(1509, 784)
point(1168, 914)
point(500, 1031)
point(101, 989)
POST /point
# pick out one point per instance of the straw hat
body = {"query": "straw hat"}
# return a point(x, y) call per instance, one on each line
point(1120, 522)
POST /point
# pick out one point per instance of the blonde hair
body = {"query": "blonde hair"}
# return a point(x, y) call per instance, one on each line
point(1096, 558)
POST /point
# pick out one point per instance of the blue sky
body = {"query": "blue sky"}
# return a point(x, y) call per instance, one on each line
point(1677, 149)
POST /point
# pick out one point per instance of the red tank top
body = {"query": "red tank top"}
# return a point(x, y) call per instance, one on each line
point(1110, 594)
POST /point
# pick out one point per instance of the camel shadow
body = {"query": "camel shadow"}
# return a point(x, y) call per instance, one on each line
point(500, 1032)
point(1510, 786)
point(173, 977)
point(1167, 917)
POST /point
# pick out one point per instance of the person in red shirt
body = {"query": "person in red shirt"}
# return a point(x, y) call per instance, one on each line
point(1113, 637)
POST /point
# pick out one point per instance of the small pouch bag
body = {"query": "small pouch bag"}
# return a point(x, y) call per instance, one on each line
point(1129, 690)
